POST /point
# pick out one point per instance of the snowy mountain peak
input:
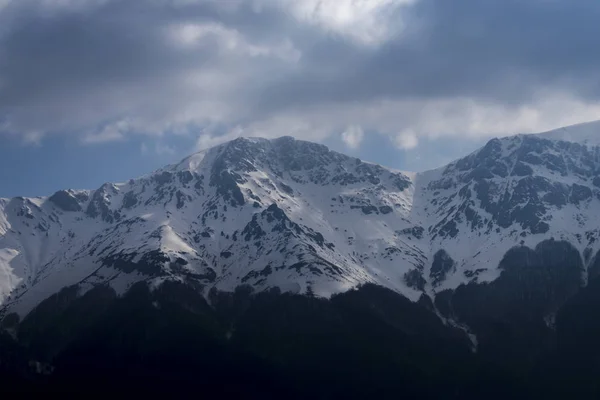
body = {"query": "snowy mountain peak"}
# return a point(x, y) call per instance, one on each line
point(269, 213)
point(295, 215)
point(586, 133)
point(515, 191)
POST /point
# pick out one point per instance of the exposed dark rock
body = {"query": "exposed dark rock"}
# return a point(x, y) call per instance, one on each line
point(253, 231)
point(99, 204)
point(474, 274)
point(415, 231)
point(65, 201)
point(258, 274)
point(227, 181)
point(522, 169)
point(287, 189)
point(385, 209)
point(185, 177)
point(151, 263)
point(129, 200)
point(442, 265)
point(580, 193)
point(163, 178)
point(414, 279)
point(369, 210)
point(181, 197)
point(449, 229)
point(557, 195)
point(401, 181)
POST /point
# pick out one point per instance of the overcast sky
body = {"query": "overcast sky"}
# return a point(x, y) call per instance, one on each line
point(104, 90)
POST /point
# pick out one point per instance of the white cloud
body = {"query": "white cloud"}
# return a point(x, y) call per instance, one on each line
point(469, 118)
point(4, 4)
point(163, 149)
point(406, 140)
point(158, 148)
point(409, 121)
point(221, 68)
point(361, 20)
point(353, 136)
point(191, 36)
point(207, 140)
point(110, 133)
point(33, 138)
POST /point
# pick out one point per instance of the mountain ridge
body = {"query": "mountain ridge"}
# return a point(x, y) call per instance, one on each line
point(584, 133)
point(418, 235)
point(215, 184)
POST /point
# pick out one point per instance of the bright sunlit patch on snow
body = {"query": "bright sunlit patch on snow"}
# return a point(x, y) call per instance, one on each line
point(170, 241)
point(8, 280)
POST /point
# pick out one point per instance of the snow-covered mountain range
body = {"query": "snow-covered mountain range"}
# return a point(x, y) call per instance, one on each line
point(292, 214)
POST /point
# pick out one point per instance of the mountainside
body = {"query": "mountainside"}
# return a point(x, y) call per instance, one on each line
point(517, 191)
point(492, 254)
point(294, 215)
point(281, 213)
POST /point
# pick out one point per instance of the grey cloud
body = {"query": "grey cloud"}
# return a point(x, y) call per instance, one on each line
point(483, 49)
point(67, 68)
point(105, 60)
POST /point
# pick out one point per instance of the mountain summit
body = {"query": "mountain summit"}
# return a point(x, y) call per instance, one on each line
point(294, 215)
point(266, 213)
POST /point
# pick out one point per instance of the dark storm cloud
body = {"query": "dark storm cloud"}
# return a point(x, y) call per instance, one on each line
point(45, 56)
point(502, 50)
point(63, 54)
point(105, 60)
